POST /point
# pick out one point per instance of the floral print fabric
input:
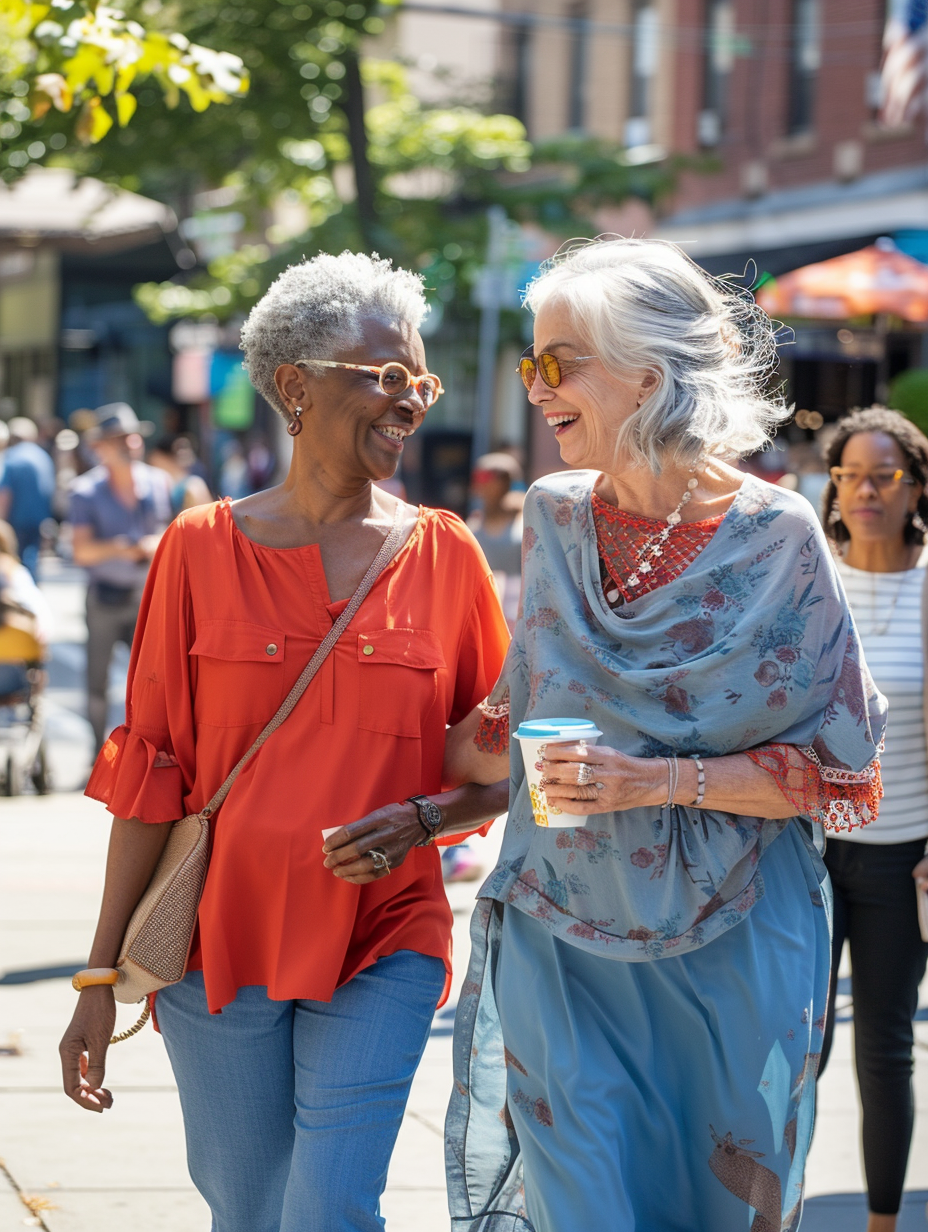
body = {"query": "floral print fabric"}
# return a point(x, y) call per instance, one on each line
point(677, 671)
point(842, 803)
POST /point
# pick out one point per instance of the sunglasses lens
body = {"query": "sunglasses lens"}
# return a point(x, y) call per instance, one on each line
point(527, 371)
point(550, 369)
point(394, 379)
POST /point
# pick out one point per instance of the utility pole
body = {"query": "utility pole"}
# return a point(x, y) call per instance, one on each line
point(490, 294)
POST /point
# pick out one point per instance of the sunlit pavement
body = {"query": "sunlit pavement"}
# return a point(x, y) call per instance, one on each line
point(67, 1171)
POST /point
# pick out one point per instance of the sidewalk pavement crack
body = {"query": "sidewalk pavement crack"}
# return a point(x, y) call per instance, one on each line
point(33, 1203)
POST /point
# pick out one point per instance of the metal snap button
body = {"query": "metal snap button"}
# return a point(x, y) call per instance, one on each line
point(271, 649)
point(368, 650)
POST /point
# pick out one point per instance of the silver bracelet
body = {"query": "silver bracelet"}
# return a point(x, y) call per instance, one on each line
point(700, 782)
point(673, 777)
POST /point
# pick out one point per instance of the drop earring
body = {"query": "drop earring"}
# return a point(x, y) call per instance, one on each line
point(834, 517)
point(295, 426)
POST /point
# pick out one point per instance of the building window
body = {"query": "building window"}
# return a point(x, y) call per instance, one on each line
point(805, 58)
point(520, 82)
point(579, 14)
point(644, 53)
point(717, 66)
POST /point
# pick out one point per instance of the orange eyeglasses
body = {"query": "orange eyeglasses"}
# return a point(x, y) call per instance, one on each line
point(393, 378)
point(883, 479)
point(548, 365)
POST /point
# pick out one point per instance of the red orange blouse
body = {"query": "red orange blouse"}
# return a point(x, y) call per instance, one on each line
point(226, 627)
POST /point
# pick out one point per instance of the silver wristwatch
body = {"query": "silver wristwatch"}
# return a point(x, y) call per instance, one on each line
point(430, 817)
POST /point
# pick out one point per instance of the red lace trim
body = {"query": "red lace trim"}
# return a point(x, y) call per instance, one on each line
point(492, 735)
point(621, 538)
point(810, 787)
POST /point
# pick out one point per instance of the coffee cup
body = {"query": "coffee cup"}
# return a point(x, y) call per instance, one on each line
point(533, 736)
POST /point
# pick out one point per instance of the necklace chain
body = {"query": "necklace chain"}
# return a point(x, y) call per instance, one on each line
point(653, 548)
point(876, 630)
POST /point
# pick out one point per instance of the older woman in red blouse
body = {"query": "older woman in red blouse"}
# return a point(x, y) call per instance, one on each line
point(316, 967)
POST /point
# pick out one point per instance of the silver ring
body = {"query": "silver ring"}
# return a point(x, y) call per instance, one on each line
point(584, 774)
point(381, 863)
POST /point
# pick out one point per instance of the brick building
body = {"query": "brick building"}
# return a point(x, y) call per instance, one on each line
point(777, 100)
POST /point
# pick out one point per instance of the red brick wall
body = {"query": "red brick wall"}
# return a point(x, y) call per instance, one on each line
point(758, 104)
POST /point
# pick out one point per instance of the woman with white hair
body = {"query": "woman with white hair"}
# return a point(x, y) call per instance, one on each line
point(323, 942)
point(637, 1038)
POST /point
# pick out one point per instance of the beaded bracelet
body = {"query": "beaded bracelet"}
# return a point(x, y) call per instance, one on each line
point(700, 782)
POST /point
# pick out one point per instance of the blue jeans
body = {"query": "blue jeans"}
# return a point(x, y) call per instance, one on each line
point(292, 1108)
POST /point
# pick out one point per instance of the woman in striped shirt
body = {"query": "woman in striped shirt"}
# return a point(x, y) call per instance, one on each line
point(875, 503)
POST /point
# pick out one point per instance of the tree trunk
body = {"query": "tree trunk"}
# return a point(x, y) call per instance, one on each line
point(357, 137)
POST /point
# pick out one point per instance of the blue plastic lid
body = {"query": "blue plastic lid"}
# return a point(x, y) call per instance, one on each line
point(551, 729)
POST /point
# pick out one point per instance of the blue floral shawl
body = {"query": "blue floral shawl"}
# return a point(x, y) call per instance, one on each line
point(752, 643)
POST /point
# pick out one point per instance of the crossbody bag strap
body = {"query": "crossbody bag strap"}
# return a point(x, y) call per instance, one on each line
point(389, 549)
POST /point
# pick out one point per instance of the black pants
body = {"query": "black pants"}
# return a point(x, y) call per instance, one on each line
point(875, 910)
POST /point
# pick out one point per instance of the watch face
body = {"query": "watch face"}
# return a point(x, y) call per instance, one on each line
point(431, 814)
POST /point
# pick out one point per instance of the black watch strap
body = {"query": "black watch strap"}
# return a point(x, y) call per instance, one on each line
point(430, 818)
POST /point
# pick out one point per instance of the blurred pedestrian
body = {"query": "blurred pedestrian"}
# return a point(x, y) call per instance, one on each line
point(875, 513)
point(118, 512)
point(176, 457)
point(27, 486)
point(23, 608)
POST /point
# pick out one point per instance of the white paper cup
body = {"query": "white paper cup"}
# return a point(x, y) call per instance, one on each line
point(533, 736)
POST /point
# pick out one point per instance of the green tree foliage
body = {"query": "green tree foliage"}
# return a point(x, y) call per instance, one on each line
point(69, 71)
point(410, 180)
point(909, 394)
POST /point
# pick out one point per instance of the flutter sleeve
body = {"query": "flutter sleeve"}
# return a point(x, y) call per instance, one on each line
point(146, 767)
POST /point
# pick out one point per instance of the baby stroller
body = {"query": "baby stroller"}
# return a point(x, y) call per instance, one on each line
point(22, 682)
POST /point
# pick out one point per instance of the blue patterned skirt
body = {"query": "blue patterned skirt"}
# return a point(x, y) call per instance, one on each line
point(667, 1096)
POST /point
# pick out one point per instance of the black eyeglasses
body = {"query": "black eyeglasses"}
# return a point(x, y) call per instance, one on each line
point(548, 365)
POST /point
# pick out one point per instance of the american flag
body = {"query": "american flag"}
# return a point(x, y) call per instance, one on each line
point(903, 71)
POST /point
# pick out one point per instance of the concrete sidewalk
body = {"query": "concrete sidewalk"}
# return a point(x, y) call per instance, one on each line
point(126, 1169)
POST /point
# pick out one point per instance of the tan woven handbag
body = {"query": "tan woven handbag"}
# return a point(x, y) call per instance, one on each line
point(159, 935)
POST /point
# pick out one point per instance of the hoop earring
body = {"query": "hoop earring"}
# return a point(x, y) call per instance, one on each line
point(295, 426)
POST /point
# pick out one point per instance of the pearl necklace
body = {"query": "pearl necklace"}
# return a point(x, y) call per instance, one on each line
point(653, 548)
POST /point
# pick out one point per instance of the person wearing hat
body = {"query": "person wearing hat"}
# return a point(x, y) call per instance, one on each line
point(118, 511)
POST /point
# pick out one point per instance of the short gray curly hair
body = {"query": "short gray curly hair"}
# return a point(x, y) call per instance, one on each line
point(644, 305)
point(316, 308)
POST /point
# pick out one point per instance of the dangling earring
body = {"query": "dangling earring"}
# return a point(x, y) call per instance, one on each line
point(835, 516)
point(919, 522)
point(295, 426)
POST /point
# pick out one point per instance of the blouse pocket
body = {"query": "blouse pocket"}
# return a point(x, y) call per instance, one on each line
point(240, 680)
point(398, 671)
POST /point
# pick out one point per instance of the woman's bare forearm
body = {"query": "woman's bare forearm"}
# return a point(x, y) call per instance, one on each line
point(734, 784)
point(470, 805)
point(134, 850)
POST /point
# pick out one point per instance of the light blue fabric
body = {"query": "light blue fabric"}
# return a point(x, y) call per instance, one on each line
point(291, 1108)
point(639, 983)
point(753, 643)
point(676, 1094)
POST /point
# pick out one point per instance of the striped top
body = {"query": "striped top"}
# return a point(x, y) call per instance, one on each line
point(887, 609)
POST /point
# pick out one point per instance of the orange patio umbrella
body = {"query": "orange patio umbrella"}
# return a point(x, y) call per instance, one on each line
point(875, 280)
